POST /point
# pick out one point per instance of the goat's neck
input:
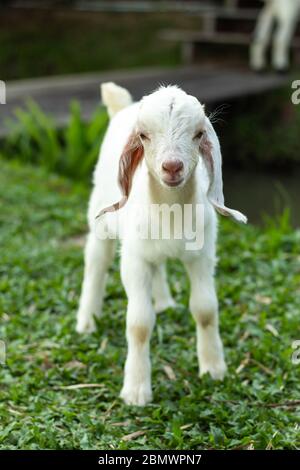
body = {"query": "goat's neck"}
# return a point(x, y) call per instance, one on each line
point(160, 195)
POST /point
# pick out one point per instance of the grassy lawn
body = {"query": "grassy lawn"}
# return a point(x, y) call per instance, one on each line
point(42, 220)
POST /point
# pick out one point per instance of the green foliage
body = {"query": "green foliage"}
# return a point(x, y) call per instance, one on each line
point(263, 131)
point(71, 150)
point(42, 222)
point(90, 41)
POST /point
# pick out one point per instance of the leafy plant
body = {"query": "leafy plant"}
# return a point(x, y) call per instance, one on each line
point(71, 150)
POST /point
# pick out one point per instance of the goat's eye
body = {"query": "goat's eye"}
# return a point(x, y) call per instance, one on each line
point(144, 136)
point(199, 135)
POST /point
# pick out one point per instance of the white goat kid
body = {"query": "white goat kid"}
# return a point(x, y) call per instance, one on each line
point(283, 13)
point(155, 148)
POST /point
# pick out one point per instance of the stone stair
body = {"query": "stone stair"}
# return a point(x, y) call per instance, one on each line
point(224, 22)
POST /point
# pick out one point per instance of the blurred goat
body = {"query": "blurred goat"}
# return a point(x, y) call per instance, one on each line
point(284, 14)
point(155, 149)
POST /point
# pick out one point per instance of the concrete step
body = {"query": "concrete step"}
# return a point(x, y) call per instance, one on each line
point(211, 84)
point(228, 38)
point(146, 6)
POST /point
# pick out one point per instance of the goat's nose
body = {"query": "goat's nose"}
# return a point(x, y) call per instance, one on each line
point(172, 167)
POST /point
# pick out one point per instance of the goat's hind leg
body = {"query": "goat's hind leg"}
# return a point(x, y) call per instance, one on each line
point(282, 42)
point(98, 256)
point(160, 290)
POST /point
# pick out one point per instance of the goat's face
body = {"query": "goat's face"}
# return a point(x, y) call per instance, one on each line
point(170, 127)
point(172, 132)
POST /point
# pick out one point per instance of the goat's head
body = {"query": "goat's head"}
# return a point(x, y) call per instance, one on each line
point(172, 132)
point(170, 127)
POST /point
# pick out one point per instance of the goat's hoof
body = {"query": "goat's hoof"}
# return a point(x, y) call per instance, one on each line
point(139, 395)
point(216, 370)
point(162, 305)
point(85, 326)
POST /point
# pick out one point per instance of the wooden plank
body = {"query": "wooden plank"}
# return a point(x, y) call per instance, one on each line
point(231, 4)
point(147, 6)
point(200, 36)
point(144, 6)
point(192, 7)
point(187, 53)
point(218, 38)
point(208, 23)
point(245, 14)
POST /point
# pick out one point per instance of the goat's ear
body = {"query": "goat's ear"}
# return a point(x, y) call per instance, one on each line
point(211, 152)
point(131, 157)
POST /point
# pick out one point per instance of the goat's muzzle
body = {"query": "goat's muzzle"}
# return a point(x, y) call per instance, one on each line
point(172, 171)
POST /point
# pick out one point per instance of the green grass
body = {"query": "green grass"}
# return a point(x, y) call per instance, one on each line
point(42, 219)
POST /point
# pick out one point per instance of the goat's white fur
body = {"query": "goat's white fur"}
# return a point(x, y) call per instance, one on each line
point(143, 261)
point(285, 14)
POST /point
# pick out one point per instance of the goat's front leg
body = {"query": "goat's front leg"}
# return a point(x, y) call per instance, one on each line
point(98, 256)
point(137, 279)
point(204, 308)
point(262, 37)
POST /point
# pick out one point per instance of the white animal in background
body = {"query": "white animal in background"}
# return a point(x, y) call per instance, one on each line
point(155, 149)
point(283, 14)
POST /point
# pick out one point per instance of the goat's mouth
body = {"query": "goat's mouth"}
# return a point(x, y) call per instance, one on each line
point(172, 183)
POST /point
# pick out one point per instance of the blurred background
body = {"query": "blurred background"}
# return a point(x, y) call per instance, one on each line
point(54, 55)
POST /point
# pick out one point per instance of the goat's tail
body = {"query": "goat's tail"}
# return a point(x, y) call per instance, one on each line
point(114, 97)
